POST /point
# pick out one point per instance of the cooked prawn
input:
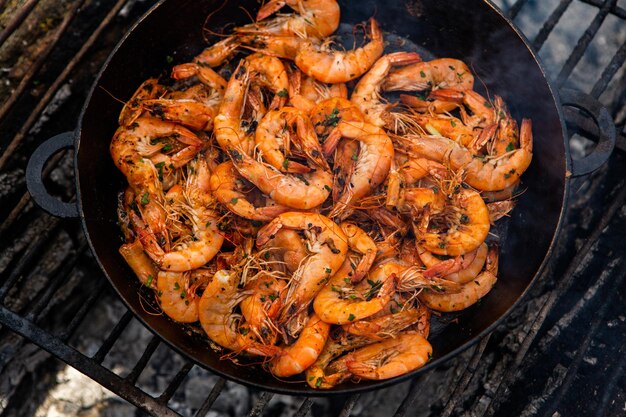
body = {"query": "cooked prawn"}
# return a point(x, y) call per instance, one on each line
point(131, 149)
point(430, 75)
point(140, 263)
point(297, 357)
point(176, 297)
point(232, 132)
point(215, 312)
point(389, 358)
point(328, 246)
point(132, 109)
point(470, 292)
point(466, 269)
point(300, 191)
point(207, 239)
point(328, 66)
point(227, 186)
point(216, 54)
point(484, 174)
point(339, 302)
point(313, 18)
point(366, 94)
point(281, 127)
point(360, 242)
point(261, 307)
point(372, 165)
point(205, 75)
point(269, 72)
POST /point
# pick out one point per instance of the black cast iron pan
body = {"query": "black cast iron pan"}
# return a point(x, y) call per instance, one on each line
point(472, 30)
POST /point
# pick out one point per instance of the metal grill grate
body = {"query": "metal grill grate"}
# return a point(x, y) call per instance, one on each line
point(44, 263)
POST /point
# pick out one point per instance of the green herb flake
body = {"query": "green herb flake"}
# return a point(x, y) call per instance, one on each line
point(464, 219)
point(176, 286)
point(351, 317)
point(272, 297)
point(422, 74)
point(145, 198)
point(243, 331)
point(183, 294)
point(286, 163)
point(169, 59)
point(318, 382)
point(328, 270)
point(453, 123)
point(327, 188)
point(234, 200)
point(510, 147)
point(167, 147)
point(282, 93)
point(150, 278)
point(442, 245)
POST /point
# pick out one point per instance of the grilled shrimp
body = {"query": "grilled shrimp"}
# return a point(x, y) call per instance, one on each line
point(261, 307)
point(484, 174)
point(177, 297)
point(206, 238)
point(340, 302)
point(132, 149)
point(361, 243)
point(372, 164)
point(471, 291)
point(463, 270)
point(189, 113)
point(280, 127)
point(305, 92)
point(287, 249)
point(269, 72)
point(215, 312)
point(216, 54)
point(388, 325)
point(389, 358)
point(132, 109)
point(366, 94)
point(297, 357)
point(228, 188)
point(205, 75)
point(444, 73)
point(140, 263)
point(301, 191)
point(328, 246)
point(467, 226)
point(499, 209)
point(328, 66)
point(313, 18)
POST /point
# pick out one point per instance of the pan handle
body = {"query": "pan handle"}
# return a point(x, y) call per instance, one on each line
point(603, 124)
point(34, 181)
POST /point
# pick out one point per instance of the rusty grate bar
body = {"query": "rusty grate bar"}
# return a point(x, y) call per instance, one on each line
point(516, 7)
point(547, 27)
point(261, 403)
point(41, 59)
point(616, 10)
point(32, 251)
point(17, 20)
point(175, 383)
point(82, 312)
point(349, 405)
point(210, 399)
point(33, 313)
point(143, 360)
point(609, 72)
point(584, 41)
point(112, 338)
point(304, 409)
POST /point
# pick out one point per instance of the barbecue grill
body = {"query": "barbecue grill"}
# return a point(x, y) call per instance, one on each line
point(561, 351)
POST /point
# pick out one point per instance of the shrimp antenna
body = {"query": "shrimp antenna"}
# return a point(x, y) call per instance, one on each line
point(112, 96)
point(206, 22)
